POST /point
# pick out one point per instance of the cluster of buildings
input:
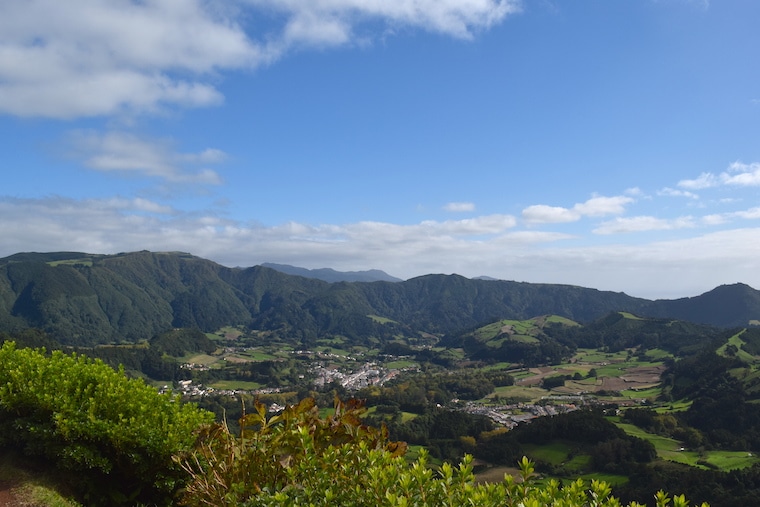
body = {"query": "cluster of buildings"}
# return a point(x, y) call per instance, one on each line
point(512, 415)
point(367, 375)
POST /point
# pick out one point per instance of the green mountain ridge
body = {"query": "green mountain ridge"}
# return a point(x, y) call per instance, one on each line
point(332, 276)
point(85, 299)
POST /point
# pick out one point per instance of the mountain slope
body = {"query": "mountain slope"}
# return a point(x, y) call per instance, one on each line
point(87, 299)
point(332, 276)
point(727, 306)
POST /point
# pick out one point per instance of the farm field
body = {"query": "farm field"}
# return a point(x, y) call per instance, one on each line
point(673, 450)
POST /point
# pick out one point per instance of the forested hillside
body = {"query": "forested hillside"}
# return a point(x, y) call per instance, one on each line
point(87, 299)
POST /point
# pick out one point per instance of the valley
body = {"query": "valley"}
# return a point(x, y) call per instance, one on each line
point(584, 383)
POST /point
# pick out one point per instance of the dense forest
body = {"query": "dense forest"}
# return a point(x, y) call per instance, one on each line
point(85, 299)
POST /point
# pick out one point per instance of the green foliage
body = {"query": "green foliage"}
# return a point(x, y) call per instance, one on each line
point(179, 342)
point(85, 299)
point(114, 436)
point(298, 459)
point(229, 470)
point(618, 330)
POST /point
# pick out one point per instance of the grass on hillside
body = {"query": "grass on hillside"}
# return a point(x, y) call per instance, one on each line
point(381, 320)
point(737, 342)
point(397, 365)
point(242, 385)
point(33, 489)
point(256, 355)
point(203, 359)
point(555, 453)
point(673, 450)
point(556, 319)
point(71, 262)
point(634, 394)
point(611, 479)
point(598, 356)
point(674, 406)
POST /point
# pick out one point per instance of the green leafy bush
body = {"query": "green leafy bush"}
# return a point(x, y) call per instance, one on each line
point(116, 436)
point(297, 458)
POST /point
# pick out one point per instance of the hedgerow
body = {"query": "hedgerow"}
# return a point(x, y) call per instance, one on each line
point(113, 436)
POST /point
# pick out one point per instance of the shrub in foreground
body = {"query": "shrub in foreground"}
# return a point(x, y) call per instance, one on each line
point(115, 436)
point(296, 458)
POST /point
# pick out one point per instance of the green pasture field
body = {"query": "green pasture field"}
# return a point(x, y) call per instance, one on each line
point(674, 406)
point(555, 453)
point(527, 393)
point(519, 327)
point(611, 479)
point(203, 359)
point(495, 344)
point(243, 385)
point(669, 449)
point(524, 338)
point(334, 350)
point(253, 355)
point(453, 353)
point(556, 319)
point(578, 462)
point(612, 370)
point(408, 416)
point(398, 365)
point(653, 393)
point(229, 332)
point(71, 262)
point(630, 316)
point(381, 320)
point(522, 374)
point(737, 342)
point(335, 341)
point(597, 356)
point(658, 354)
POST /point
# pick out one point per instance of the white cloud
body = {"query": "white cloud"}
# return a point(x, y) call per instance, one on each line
point(83, 58)
point(125, 152)
point(724, 218)
point(597, 206)
point(334, 21)
point(704, 180)
point(676, 268)
point(101, 57)
point(750, 214)
point(543, 214)
point(716, 219)
point(459, 207)
point(136, 204)
point(643, 224)
point(674, 192)
point(740, 174)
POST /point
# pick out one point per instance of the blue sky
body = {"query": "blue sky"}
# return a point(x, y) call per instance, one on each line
point(607, 144)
